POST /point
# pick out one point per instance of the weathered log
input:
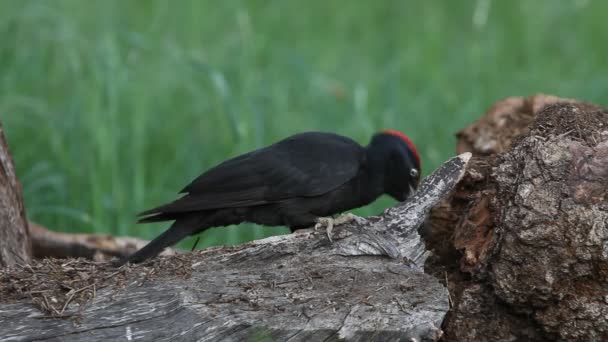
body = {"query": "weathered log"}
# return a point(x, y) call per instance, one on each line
point(99, 247)
point(14, 239)
point(524, 238)
point(368, 285)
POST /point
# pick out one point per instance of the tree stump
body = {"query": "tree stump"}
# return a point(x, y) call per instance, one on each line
point(524, 238)
point(14, 239)
point(20, 240)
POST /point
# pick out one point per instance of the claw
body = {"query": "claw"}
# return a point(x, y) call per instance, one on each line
point(329, 222)
point(349, 217)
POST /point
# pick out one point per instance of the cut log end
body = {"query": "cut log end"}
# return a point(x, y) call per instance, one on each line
point(523, 237)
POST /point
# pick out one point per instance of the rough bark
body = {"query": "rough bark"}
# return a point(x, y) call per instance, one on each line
point(14, 239)
point(524, 238)
point(368, 285)
point(99, 247)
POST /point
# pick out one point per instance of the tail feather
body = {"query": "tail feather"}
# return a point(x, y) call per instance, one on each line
point(167, 207)
point(180, 229)
point(158, 217)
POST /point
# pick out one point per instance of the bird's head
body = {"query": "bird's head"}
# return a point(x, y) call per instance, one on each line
point(401, 163)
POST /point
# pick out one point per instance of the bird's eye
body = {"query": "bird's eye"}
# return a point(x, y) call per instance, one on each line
point(414, 173)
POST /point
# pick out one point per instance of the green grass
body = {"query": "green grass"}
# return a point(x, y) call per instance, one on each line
point(110, 107)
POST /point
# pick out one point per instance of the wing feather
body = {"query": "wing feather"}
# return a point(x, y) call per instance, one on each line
point(303, 165)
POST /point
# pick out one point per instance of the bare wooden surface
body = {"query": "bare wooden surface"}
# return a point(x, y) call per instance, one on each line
point(14, 240)
point(366, 286)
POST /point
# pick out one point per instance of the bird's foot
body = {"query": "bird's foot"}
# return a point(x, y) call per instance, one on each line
point(330, 222)
point(347, 218)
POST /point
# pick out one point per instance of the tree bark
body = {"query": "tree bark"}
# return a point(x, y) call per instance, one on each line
point(14, 239)
point(524, 238)
point(368, 285)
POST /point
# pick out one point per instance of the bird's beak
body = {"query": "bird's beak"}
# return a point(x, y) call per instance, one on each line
point(412, 190)
point(407, 194)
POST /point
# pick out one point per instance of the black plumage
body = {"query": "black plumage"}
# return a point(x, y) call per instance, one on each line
point(293, 182)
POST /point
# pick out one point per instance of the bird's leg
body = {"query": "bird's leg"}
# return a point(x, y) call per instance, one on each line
point(330, 222)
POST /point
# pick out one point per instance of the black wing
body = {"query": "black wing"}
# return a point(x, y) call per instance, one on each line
point(303, 165)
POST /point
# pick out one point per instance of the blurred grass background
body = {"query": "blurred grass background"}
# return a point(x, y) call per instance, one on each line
point(111, 106)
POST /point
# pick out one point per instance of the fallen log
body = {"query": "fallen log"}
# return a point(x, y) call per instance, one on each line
point(368, 285)
point(47, 243)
